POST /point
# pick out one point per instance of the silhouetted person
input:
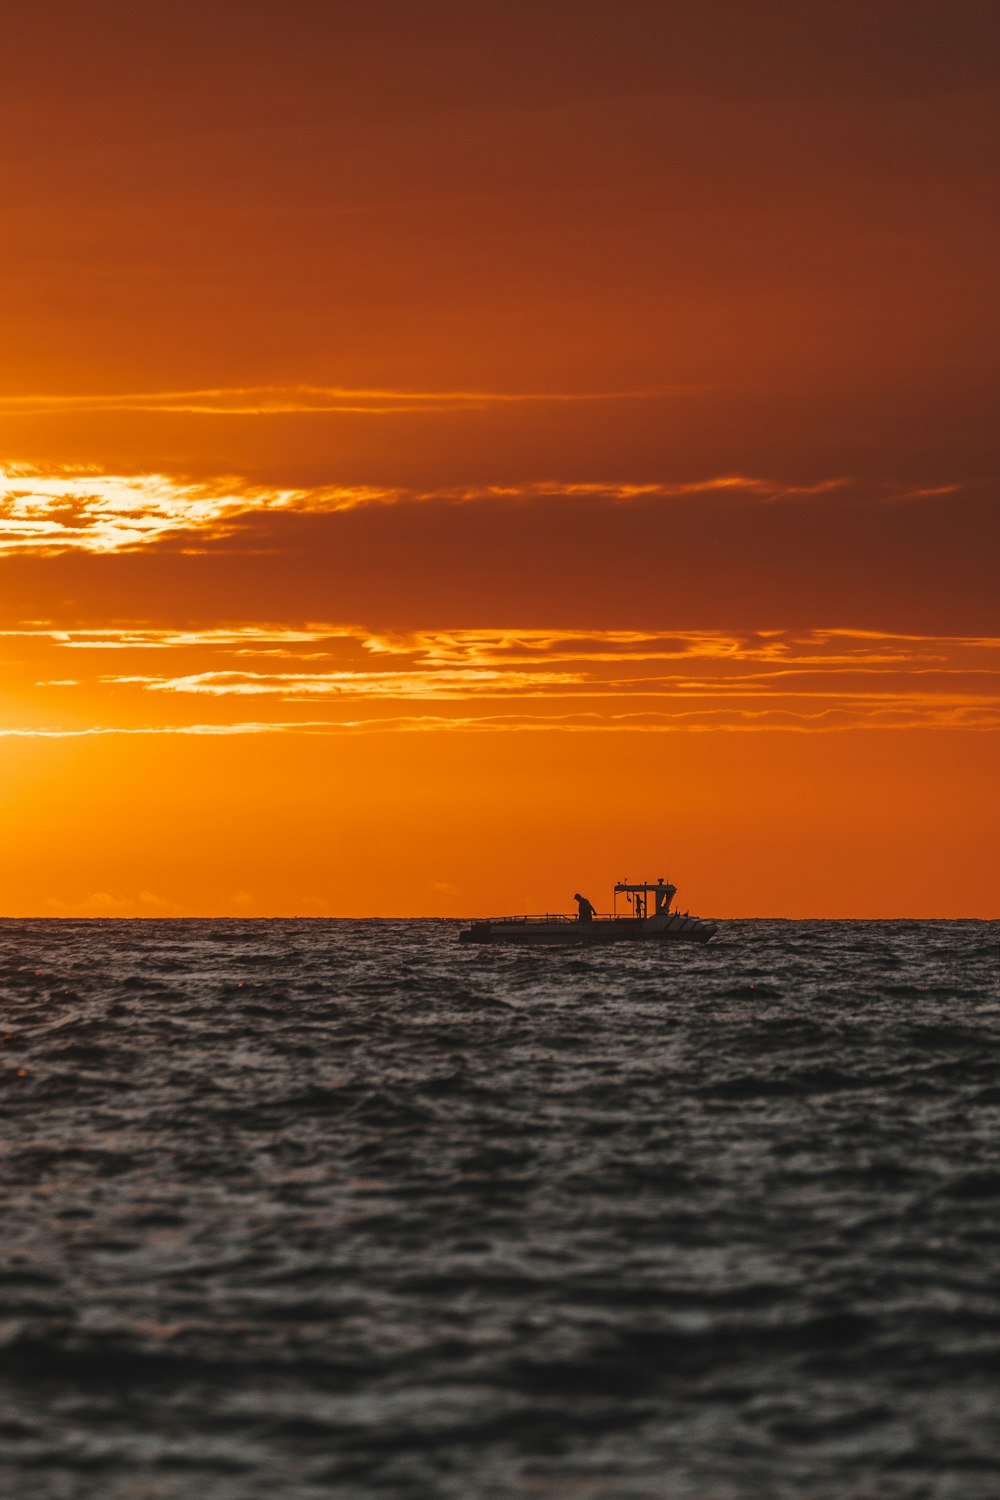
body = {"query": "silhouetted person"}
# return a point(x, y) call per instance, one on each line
point(586, 910)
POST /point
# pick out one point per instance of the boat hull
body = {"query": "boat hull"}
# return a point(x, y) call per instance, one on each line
point(542, 933)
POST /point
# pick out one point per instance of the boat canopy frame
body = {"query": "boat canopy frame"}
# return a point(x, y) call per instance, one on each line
point(637, 895)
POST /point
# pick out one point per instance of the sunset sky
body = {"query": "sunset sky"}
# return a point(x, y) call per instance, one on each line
point(453, 455)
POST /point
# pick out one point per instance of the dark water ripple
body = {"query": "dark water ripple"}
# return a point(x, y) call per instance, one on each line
point(306, 1208)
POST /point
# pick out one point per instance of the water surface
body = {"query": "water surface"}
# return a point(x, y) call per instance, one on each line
point(293, 1209)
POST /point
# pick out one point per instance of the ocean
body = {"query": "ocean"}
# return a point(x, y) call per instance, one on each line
point(304, 1208)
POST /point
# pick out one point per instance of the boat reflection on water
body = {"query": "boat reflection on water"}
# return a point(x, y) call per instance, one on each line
point(661, 924)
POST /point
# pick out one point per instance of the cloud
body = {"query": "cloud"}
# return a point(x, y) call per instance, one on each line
point(840, 719)
point(559, 679)
point(270, 400)
point(292, 686)
point(239, 638)
point(99, 730)
point(66, 509)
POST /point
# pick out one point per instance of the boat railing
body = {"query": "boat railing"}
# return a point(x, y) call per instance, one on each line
point(548, 916)
point(553, 916)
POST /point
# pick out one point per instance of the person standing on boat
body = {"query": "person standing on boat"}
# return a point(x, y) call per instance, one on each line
point(587, 912)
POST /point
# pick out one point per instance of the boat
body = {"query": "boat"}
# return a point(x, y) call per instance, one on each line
point(637, 923)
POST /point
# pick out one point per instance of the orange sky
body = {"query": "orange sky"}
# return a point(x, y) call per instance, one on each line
point(456, 455)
